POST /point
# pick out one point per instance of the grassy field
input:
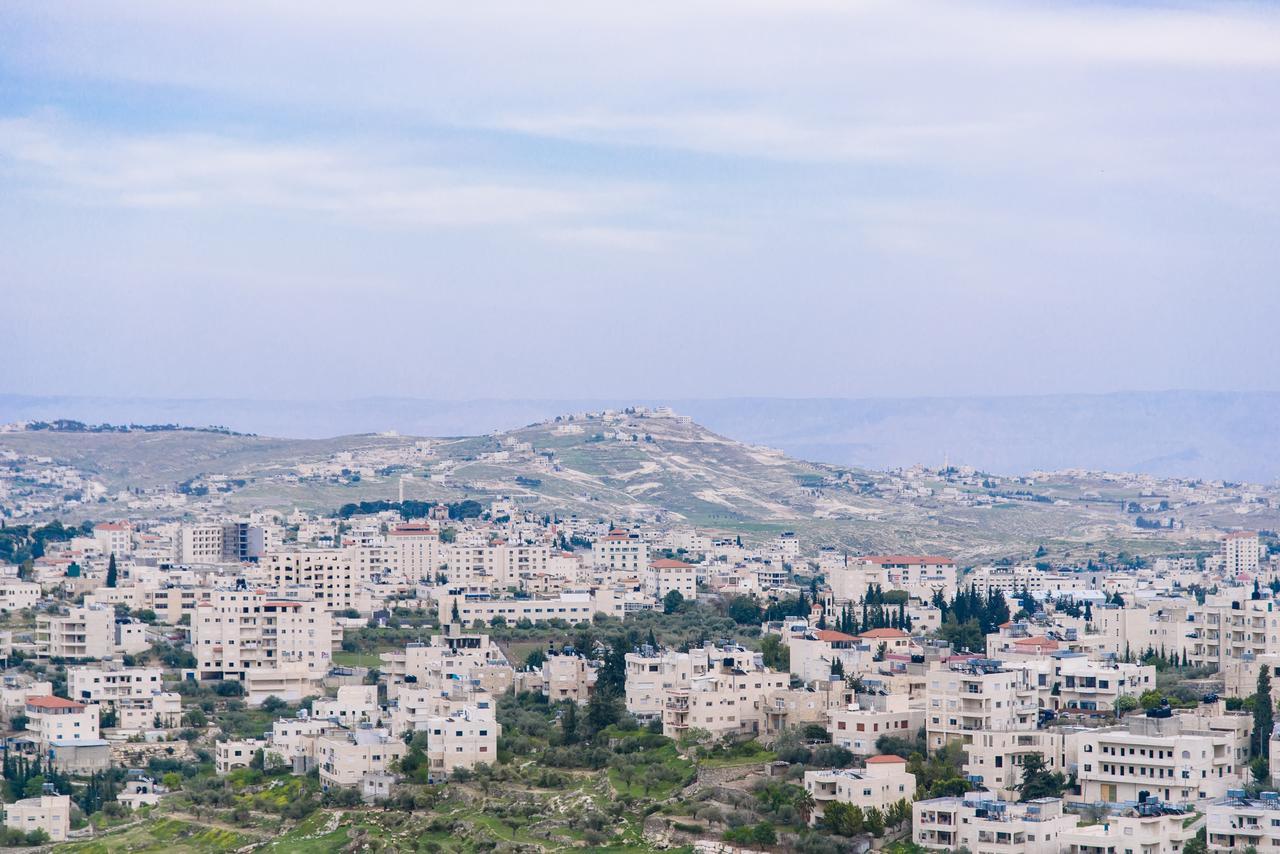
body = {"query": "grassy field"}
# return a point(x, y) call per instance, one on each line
point(163, 834)
point(357, 659)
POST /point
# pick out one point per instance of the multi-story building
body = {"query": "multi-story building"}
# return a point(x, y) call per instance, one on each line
point(726, 700)
point(651, 673)
point(417, 550)
point(201, 543)
point(1083, 685)
point(1148, 828)
point(52, 720)
point(16, 594)
point(334, 577)
point(920, 575)
point(621, 551)
point(452, 657)
point(1180, 759)
point(236, 753)
point(114, 538)
point(568, 677)
point(81, 633)
point(979, 823)
point(1240, 553)
point(666, 575)
point(1237, 822)
point(50, 813)
point(1231, 625)
point(883, 782)
point(346, 756)
point(995, 758)
point(461, 740)
point(859, 726)
point(110, 684)
point(275, 646)
point(815, 652)
point(977, 695)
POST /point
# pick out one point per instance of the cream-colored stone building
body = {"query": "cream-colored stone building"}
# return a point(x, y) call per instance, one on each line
point(883, 782)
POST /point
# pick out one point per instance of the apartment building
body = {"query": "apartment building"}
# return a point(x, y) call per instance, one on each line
point(200, 543)
point(16, 594)
point(1231, 625)
point(920, 575)
point(293, 743)
point(1014, 580)
point(651, 672)
point(726, 700)
point(334, 577)
point(987, 826)
point(1237, 822)
point(454, 656)
point(81, 633)
point(1148, 828)
point(814, 652)
point(575, 607)
point(858, 726)
point(568, 677)
point(977, 695)
point(1240, 552)
point(1086, 686)
point(417, 549)
point(461, 740)
point(354, 705)
point(346, 756)
point(995, 759)
point(1159, 623)
point(274, 645)
point(236, 753)
point(497, 565)
point(620, 551)
point(50, 813)
point(883, 782)
point(52, 720)
point(665, 575)
point(1183, 759)
point(108, 685)
point(114, 538)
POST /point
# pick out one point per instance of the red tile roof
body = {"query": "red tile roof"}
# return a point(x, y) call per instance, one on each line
point(1038, 641)
point(52, 702)
point(829, 635)
point(668, 563)
point(884, 633)
point(885, 759)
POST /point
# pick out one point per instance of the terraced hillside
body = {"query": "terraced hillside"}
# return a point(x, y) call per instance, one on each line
point(625, 466)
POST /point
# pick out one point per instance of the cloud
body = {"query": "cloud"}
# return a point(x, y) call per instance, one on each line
point(202, 171)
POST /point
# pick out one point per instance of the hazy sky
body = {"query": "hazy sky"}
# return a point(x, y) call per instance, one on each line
point(801, 198)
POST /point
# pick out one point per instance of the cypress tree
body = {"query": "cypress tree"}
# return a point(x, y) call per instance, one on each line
point(111, 571)
point(1263, 716)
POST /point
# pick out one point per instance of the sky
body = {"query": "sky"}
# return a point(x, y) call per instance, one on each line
point(604, 200)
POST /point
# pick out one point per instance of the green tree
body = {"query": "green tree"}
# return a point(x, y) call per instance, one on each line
point(1126, 703)
point(1150, 699)
point(1038, 781)
point(1199, 844)
point(1263, 714)
point(672, 602)
point(112, 577)
point(874, 822)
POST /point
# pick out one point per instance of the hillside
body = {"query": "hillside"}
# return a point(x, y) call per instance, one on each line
point(662, 469)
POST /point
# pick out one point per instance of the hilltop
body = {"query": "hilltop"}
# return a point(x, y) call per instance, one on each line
point(620, 466)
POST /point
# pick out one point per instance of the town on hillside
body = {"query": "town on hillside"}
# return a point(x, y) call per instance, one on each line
point(479, 675)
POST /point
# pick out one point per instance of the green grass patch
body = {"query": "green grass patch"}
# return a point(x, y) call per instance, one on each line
point(164, 835)
point(358, 659)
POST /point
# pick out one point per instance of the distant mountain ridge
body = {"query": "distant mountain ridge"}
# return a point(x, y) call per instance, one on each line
point(1210, 435)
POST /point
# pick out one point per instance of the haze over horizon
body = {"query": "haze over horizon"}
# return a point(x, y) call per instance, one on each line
point(859, 200)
